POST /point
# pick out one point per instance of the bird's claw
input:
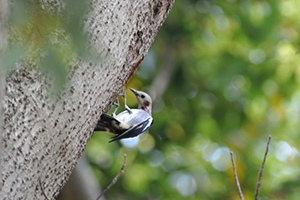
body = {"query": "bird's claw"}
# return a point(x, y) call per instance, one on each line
point(115, 103)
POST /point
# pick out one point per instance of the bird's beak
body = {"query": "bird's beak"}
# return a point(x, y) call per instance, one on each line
point(134, 92)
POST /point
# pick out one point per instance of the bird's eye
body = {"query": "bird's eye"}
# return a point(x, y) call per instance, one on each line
point(143, 96)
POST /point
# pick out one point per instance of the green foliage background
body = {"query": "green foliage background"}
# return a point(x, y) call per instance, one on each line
point(234, 80)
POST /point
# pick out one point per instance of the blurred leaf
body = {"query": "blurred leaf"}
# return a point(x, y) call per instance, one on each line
point(12, 55)
point(54, 66)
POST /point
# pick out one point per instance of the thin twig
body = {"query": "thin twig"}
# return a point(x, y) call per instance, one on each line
point(262, 169)
point(43, 191)
point(236, 177)
point(115, 179)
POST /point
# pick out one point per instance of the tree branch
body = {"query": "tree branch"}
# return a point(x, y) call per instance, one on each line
point(162, 79)
point(262, 169)
point(43, 191)
point(236, 177)
point(115, 179)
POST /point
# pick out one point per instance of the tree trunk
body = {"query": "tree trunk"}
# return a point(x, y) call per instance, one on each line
point(43, 138)
point(4, 14)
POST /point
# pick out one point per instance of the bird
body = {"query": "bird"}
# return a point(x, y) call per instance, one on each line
point(130, 122)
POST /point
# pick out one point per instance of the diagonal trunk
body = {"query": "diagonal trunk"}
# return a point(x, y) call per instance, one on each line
point(43, 138)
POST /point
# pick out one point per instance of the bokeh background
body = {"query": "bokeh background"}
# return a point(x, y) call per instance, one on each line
point(224, 75)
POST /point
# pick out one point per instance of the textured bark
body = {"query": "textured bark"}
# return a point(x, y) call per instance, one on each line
point(44, 138)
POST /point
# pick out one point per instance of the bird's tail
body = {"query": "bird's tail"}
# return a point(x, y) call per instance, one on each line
point(99, 127)
point(105, 123)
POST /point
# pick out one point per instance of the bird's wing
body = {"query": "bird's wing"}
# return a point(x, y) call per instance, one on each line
point(135, 117)
point(135, 130)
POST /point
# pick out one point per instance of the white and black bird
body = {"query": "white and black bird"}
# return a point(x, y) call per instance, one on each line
point(131, 122)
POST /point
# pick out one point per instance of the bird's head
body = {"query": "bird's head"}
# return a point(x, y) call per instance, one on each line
point(144, 100)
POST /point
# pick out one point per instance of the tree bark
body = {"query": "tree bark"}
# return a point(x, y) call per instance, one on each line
point(4, 14)
point(43, 138)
